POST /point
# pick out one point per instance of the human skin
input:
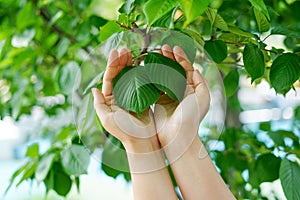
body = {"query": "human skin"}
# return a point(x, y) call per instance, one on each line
point(177, 126)
point(149, 174)
point(173, 127)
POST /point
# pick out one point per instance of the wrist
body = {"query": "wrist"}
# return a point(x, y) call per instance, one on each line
point(181, 143)
point(144, 155)
point(142, 145)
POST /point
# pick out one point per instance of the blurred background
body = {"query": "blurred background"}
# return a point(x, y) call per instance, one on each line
point(50, 56)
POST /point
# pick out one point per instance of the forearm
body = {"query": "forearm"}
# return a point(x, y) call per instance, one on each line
point(150, 177)
point(193, 169)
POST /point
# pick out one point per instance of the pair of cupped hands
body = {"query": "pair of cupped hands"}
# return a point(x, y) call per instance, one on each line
point(168, 120)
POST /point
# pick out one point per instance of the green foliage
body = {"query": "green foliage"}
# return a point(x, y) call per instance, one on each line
point(133, 89)
point(231, 82)
point(289, 177)
point(155, 9)
point(254, 61)
point(217, 49)
point(75, 160)
point(136, 88)
point(166, 74)
point(51, 48)
point(285, 70)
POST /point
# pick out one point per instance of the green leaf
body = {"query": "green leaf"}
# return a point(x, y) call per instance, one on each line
point(262, 22)
point(64, 133)
point(279, 30)
point(285, 70)
point(77, 182)
point(277, 139)
point(155, 9)
point(254, 61)
point(61, 181)
point(265, 126)
point(127, 7)
point(15, 175)
point(96, 81)
point(187, 44)
point(220, 23)
point(62, 48)
point(216, 19)
point(231, 82)
point(289, 176)
point(114, 158)
point(133, 89)
point(195, 35)
point(113, 42)
point(166, 21)
point(25, 17)
point(33, 151)
point(238, 31)
point(233, 38)
point(43, 167)
point(216, 49)
point(266, 168)
point(69, 78)
point(166, 74)
point(193, 8)
point(28, 172)
point(75, 160)
point(108, 30)
point(261, 6)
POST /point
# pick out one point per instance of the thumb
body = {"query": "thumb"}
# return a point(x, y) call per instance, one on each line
point(101, 108)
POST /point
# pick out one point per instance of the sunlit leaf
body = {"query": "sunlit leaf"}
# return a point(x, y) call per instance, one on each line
point(109, 29)
point(155, 9)
point(262, 22)
point(133, 89)
point(261, 6)
point(193, 8)
point(166, 74)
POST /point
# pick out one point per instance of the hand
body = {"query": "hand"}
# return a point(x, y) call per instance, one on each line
point(129, 129)
point(179, 122)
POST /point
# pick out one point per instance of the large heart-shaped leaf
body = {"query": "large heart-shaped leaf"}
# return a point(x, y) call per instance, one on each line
point(75, 160)
point(166, 74)
point(133, 89)
point(187, 44)
point(285, 70)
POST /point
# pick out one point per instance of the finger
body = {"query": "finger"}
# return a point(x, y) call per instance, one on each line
point(182, 59)
point(101, 108)
point(129, 58)
point(123, 58)
point(159, 51)
point(110, 72)
point(167, 51)
point(201, 88)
